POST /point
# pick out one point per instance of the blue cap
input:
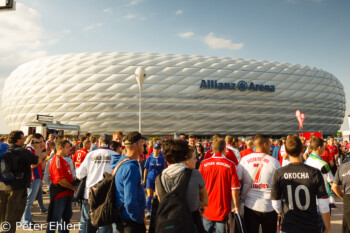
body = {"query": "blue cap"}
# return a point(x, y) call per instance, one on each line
point(156, 146)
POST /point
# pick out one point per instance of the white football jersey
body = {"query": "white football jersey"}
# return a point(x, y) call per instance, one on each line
point(283, 151)
point(258, 197)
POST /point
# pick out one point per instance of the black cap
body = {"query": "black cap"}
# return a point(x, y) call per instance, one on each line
point(132, 137)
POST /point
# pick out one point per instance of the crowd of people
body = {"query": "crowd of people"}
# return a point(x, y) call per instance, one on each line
point(285, 185)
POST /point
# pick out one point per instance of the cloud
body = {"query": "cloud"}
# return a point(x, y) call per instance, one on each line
point(185, 35)
point(134, 2)
point(92, 26)
point(129, 16)
point(108, 10)
point(142, 18)
point(220, 43)
point(179, 12)
point(22, 38)
point(66, 31)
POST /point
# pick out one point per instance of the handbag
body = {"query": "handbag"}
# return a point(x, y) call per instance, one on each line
point(244, 195)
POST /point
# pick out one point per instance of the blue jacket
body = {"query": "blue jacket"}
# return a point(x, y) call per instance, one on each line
point(115, 160)
point(130, 190)
point(275, 152)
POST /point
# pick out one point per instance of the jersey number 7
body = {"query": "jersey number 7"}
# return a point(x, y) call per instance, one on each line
point(257, 177)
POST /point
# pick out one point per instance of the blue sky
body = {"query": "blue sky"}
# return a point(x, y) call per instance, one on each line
point(306, 32)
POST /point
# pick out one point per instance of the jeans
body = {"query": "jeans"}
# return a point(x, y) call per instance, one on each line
point(86, 226)
point(39, 198)
point(61, 214)
point(33, 192)
point(209, 225)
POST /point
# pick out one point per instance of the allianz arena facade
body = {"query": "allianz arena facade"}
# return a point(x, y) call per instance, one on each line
point(181, 93)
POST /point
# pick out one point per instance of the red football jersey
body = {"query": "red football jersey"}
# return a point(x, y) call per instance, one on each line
point(220, 178)
point(150, 151)
point(37, 172)
point(59, 170)
point(246, 152)
point(326, 155)
point(79, 157)
point(333, 150)
point(229, 155)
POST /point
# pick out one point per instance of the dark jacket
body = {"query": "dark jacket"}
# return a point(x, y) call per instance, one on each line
point(27, 159)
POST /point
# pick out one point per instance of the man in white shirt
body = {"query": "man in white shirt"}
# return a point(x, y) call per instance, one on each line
point(255, 172)
point(94, 165)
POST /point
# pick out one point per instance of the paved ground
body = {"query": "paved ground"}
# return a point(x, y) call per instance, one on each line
point(337, 216)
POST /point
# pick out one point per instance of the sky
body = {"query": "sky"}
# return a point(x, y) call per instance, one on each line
point(307, 32)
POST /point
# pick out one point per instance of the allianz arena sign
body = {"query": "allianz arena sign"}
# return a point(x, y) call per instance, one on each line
point(241, 85)
point(181, 93)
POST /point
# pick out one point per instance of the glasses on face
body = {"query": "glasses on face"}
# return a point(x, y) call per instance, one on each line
point(36, 142)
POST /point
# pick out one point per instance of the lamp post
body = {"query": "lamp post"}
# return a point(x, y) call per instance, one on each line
point(140, 76)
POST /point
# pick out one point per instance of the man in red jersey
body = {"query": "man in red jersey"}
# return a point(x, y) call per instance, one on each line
point(249, 150)
point(326, 155)
point(222, 184)
point(229, 153)
point(61, 189)
point(333, 154)
point(80, 154)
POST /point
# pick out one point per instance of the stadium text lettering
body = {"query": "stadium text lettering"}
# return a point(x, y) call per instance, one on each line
point(241, 86)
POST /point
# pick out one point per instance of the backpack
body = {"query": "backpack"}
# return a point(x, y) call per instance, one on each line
point(173, 213)
point(11, 165)
point(102, 200)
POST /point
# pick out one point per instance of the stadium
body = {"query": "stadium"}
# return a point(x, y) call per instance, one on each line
point(180, 94)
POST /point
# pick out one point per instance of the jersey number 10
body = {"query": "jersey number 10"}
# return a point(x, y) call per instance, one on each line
point(297, 197)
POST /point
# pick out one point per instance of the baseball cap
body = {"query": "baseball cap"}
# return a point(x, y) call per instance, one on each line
point(133, 137)
point(156, 145)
